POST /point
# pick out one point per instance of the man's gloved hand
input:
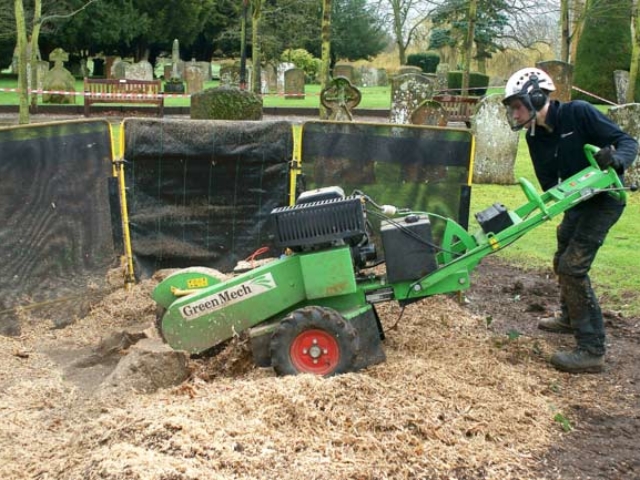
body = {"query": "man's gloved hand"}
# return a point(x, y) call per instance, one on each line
point(605, 159)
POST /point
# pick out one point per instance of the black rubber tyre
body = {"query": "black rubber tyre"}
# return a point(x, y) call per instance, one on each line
point(314, 340)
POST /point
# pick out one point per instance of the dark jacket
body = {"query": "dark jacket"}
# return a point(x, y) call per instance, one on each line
point(558, 154)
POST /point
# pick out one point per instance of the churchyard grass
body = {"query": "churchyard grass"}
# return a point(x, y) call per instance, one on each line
point(372, 97)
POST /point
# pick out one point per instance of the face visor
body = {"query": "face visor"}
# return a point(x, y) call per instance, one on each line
point(520, 112)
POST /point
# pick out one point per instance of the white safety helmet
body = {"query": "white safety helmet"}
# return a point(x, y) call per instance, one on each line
point(532, 87)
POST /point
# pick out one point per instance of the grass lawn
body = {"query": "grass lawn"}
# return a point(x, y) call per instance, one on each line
point(613, 273)
point(372, 97)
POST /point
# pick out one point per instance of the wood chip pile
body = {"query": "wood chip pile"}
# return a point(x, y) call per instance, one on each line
point(452, 401)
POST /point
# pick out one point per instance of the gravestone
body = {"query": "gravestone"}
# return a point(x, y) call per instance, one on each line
point(230, 75)
point(404, 69)
point(119, 69)
point(59, 79)
point(42, 69)
point(628, 117)
point(194, 77)
point(280, 69)
point(344, 70)
point(496, 143)
point(98, 67)
point(369, 76)
point(407, 92)
point(174, 73)
point(621, 81)
point(205, 67)
point(142, 70)
point(294, 84)
point(442, 77)
point(429, 112)
point(562, 75)
point(270, 77)
point(383, 77)
point(226, 103)
point(340, 98)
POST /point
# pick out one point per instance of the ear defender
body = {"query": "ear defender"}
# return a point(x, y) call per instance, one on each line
point(536, 96)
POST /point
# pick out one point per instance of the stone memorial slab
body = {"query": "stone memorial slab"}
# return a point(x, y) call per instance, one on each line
point(496, 143)
point(142, 70)
point(59, 79)
point(340, 98)
point(562, 75)
point(628, 117)
point(230, 75)
point(429, 112)
point(194, 77)
point(344, 70)
point(294, 84)
point(407, 92)
point(442, 77)
point(621, 81)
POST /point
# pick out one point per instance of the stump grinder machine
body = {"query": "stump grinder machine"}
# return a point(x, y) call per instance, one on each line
point(312, 310)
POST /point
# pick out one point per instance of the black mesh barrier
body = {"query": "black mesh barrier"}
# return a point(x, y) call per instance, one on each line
point(199, 193)
point(56, 231)
point(420, 168)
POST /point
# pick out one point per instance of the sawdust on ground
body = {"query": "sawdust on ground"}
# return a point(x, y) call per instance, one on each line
point(453, 400)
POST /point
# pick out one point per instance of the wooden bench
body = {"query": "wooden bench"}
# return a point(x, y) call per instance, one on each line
point(458, 107)
point(98, 90)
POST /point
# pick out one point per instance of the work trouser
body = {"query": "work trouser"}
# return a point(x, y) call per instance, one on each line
point(580, 234)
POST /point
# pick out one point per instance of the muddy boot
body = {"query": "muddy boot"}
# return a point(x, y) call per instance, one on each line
point(559, 324)
point(578, 361)
point(555, 325)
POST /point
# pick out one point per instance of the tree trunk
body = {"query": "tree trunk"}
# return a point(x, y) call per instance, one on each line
point(468, 46)
point(579, 12)
point(565, 38)
point(33, 61)
point(23, 84)
point(326, 52)
point(256, 86)
point(635, 52)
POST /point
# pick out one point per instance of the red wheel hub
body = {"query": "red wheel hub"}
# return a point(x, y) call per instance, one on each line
point(315, 351)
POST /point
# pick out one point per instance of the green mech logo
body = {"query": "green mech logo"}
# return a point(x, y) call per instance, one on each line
point(231, 295)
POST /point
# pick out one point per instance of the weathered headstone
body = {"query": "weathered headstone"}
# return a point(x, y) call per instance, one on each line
point(270, 77)
point(205, 67)
point(98, 67)
point(621, 81)
point(142, 70)
point(442, 77)
point(226, 103)
point(344, 70)
point(230, 75)
point(562, 75)
point(194, 77)
point(281, 68)
point(340, 98)
point(496, 143)
point(628, 117)
point(407, 92)
point(369, 76)
point(59, 79)
point(176, 74)
point(383, 77)
point(429, 112)
point(404, 69)
point(119, 69)
point(294, 84)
